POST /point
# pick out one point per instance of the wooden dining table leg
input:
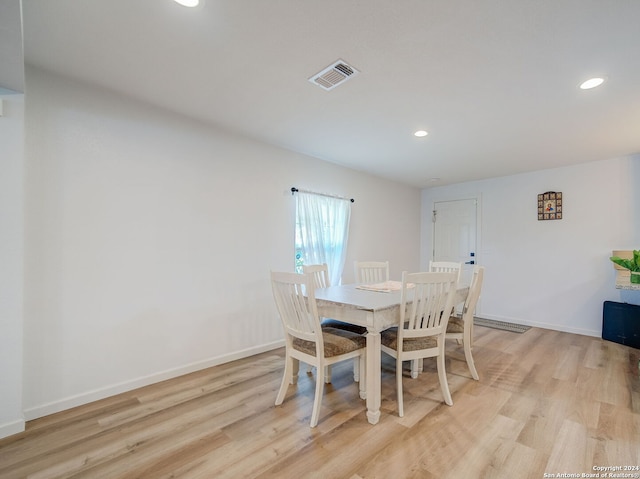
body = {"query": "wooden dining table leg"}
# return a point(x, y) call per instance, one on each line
point(373, 376)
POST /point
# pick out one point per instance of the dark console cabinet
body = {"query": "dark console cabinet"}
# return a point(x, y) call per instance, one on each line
point(621, 323)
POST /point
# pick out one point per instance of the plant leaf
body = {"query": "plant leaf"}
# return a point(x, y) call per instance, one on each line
point(625, 263)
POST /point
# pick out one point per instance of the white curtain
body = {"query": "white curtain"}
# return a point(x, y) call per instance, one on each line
point(322, 231)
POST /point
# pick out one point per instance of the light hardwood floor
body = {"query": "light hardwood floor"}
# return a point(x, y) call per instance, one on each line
point(547, 403)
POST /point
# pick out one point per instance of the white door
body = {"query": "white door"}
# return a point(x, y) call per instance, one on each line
point(454, 234)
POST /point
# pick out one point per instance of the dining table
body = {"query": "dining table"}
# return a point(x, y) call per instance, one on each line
point(376, 308)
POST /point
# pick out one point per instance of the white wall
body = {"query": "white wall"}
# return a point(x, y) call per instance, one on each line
point(11, 262)
point(551, 274)
point(149, 240)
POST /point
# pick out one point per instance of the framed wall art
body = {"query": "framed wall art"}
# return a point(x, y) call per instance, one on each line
point(550, 206)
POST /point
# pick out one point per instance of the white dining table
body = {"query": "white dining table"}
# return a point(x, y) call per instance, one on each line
point(375, 310)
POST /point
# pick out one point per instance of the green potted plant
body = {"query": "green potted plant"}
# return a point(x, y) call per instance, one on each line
point(632, 264)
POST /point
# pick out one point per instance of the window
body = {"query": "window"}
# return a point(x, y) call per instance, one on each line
point(322, 230)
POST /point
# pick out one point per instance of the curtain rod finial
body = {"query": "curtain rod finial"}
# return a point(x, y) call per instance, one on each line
point(294, 190)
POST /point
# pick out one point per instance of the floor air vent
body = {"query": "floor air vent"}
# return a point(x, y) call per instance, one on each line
point(333, 75)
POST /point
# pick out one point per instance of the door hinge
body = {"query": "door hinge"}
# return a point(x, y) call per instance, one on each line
point(433, 218)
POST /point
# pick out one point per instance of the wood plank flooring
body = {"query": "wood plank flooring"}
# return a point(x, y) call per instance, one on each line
point(547, 403)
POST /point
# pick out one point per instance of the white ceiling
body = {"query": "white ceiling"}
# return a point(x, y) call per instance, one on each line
point(493, 81)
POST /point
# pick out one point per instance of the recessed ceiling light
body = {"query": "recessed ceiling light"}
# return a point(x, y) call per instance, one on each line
point(421, 133)
point(591, 83)
point(188, 3)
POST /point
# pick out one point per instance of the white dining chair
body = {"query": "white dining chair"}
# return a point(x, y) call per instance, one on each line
point(320, 274)
point(445, 267)
point(306, 340)
point(438, 267)
point(371, 271)
point(460, 327)
point(321, 279)
point(422, 325)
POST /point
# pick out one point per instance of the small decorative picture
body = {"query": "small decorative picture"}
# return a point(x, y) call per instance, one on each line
point(550, 206)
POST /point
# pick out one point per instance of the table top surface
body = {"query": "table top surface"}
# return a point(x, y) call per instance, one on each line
point(349, 294)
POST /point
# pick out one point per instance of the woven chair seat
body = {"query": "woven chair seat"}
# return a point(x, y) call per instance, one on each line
point(389, 338)
point(336, 342)
point(455, 325)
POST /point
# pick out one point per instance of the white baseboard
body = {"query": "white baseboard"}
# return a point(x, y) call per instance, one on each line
point(536, 324)
point(97, 394)
point(11, 428)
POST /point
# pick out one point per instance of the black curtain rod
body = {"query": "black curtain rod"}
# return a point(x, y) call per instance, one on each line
point(296, 190)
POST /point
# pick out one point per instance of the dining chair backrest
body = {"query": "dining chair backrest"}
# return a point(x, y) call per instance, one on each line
point(371, 271)
point(295, 300)
point(426, 300)
point(445, 266)
point(320, 273)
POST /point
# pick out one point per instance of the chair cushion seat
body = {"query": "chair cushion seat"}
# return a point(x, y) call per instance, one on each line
point(334, 323)
point(336, 342)
point(389, 338)
point(455, 325)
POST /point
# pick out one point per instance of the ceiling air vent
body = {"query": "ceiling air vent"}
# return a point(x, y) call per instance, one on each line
point(333, 75)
